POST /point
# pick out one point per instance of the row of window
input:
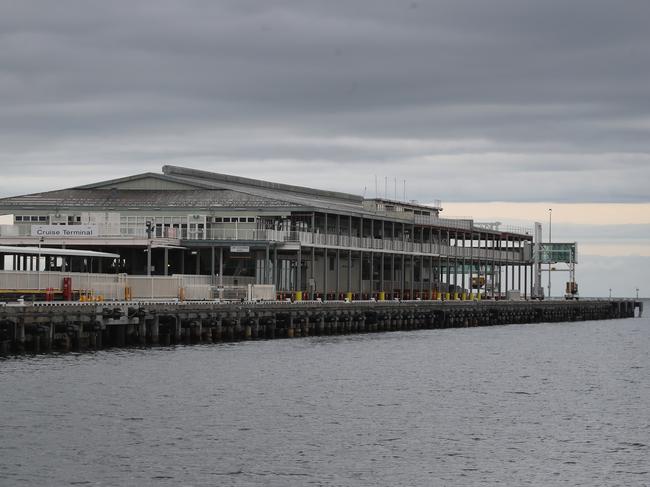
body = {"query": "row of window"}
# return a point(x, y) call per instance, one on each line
point(141, 219)
point(31, 218)
point(44, 219)
point(234, 219)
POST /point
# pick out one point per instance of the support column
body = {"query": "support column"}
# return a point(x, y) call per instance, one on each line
point(382, 288)
point(338, 273)
point(448, 260)
point(349, 271)
point(361, 273)
point(299, 270)
point(325, 271)
point(471, 264)
point(212, 264)
point(325, 266)
point(275, 274)
point(464, 262)
point(312, 267)
point(372, 272)
point(220, 266)
point(525, 282)
point(512, 267)
point(402, 275)
point(494, 267)
point(506, 252)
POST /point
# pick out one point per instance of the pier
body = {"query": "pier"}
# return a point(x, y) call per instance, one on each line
point(65, 326)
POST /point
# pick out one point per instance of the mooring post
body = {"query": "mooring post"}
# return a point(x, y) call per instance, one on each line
point(155, 330)
point(178, 328)
point(20, 336)
point(142, 332)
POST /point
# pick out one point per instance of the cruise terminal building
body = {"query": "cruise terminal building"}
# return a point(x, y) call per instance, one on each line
point(234, 231)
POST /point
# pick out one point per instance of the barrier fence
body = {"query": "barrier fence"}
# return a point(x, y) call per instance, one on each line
point(122, 286)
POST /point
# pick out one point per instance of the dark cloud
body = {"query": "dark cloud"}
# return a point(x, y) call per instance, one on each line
point(508, 100)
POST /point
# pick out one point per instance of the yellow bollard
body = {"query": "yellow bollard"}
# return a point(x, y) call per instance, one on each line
point(348, 296)
point(463, 297)
point(298, 295)
point(455, 296)
point(447, 296)
point(478, 296)
point(381, 296)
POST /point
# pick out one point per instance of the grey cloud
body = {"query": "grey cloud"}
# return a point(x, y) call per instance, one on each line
point(509, 100)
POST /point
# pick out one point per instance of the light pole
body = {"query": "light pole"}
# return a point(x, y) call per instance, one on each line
point(610, 293)
point(637, 293)
point(550, 219)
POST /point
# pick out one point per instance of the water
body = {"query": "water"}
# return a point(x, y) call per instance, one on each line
point(545, 404)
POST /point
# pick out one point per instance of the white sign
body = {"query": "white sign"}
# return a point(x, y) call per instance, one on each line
point(64, 231)
point(243, 249)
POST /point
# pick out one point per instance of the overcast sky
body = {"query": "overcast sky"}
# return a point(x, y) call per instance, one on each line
point(469, 101)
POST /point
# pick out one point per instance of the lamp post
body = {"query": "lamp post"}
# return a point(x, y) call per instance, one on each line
point(610, 293)
point(550, 217)
point(637, 293)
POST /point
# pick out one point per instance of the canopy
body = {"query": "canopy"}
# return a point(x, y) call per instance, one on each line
point(9, 249)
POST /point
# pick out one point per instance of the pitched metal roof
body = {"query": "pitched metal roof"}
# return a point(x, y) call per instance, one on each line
point(212, 190)
point(297, 196)
point(130, 198)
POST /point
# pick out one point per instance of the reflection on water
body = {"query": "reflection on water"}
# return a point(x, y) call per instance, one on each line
point(545, 404)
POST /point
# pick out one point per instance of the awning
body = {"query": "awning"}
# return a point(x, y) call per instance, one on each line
point(9, 249)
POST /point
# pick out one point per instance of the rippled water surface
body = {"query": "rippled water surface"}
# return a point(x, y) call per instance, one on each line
point(545, 404)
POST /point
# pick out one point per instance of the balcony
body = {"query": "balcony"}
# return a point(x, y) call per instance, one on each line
point(21, 234)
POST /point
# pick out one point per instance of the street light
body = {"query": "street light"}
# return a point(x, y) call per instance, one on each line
point(637, 293)
point(550, 216)
point(610, 293)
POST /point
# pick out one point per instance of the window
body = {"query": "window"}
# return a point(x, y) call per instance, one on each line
point(34, 218)
point(226, 219)
point(218, 219)
point(42, 218)
point(251, 219)
point(19, 218)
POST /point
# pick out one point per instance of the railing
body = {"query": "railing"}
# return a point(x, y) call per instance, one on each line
point(465, 224)
point(320, 239)
point(499, 227)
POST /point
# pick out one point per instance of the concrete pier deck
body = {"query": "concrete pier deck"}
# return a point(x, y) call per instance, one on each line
point(63, 327)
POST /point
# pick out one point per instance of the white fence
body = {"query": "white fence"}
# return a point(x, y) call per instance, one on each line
point(118, 286)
